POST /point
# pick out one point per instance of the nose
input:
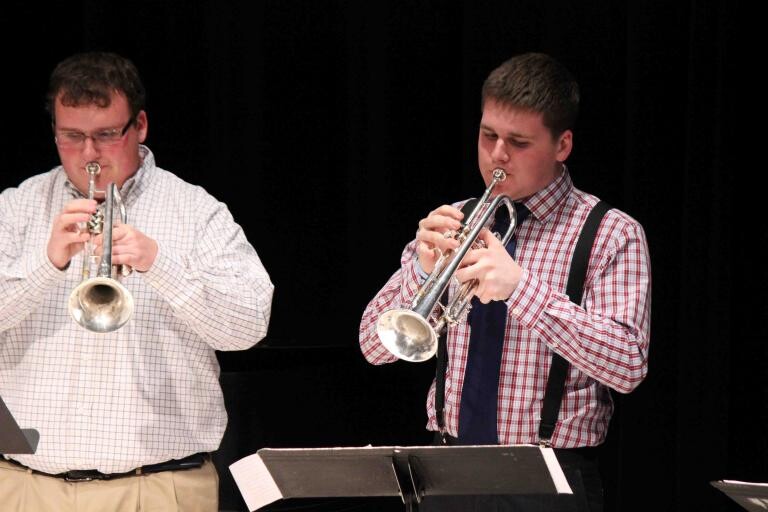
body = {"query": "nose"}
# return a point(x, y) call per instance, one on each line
point(499, 153)
point(90, 149)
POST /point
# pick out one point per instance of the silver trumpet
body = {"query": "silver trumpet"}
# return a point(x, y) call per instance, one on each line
point(411, 334)
point(101, 303)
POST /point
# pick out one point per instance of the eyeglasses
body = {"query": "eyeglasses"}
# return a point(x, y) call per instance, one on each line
point(74, 139)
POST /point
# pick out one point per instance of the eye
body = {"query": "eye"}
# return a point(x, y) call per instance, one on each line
point(519, 143)
point(490, 136)
point(73, 136)
point(106, 135)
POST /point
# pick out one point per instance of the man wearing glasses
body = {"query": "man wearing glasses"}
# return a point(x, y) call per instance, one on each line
point(128, 418)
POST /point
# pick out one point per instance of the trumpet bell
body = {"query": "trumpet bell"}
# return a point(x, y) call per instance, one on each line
point(407, 335)
point(101, 304)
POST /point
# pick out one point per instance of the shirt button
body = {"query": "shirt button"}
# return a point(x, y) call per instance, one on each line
point(516, 311)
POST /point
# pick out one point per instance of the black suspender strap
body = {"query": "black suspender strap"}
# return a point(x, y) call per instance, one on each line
point(558, 372)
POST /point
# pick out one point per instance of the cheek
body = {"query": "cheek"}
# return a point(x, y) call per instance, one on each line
point(71, 166)
point(484, 150)
point(485, 144)
point(67, 159)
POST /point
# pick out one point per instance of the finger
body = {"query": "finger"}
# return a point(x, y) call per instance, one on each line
point(120, 259)
point(439, 223)
point(448, 211)
point(69, 221)
point(473, 257)
point(481, 293)
point(119, 233)
point(129, 259)
point(467, 273)
point(80, 205)
point(75, 237)
point(437, 239)
point(121, 248)
point(488, 238)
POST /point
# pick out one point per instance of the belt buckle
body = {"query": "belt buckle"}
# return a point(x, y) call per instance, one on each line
point(78, 476)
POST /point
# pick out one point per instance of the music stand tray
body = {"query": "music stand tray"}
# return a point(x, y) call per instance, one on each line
point(409, 472)
point(751, 496)
point(12, 438)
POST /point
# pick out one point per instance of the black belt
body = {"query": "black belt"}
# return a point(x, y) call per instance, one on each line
point(86, 475)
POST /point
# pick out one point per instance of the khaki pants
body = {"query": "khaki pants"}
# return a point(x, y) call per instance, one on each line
point(189, 490)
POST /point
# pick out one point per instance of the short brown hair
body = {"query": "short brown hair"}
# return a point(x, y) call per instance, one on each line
point(538, 83)
point(91, 78)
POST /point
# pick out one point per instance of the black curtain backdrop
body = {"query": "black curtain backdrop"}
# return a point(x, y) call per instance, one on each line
point(330, 128)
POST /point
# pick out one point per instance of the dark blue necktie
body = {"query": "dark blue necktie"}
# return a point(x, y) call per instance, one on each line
point(477, 412)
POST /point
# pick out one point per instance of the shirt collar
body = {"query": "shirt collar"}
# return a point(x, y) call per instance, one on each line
point(547, 200)
point(133, 186)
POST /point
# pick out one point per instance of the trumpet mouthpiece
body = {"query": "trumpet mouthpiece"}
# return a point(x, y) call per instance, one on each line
point(92, 168)
point(499, 174)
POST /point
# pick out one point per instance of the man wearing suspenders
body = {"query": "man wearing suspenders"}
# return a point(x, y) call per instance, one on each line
point(561, 314)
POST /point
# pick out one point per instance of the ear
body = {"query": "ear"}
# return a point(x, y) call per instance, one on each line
point(564, 146)
point(142, 125)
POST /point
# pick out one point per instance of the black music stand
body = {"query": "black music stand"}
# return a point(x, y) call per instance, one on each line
point(12, 438)
point(751, 496)
point(409, 472)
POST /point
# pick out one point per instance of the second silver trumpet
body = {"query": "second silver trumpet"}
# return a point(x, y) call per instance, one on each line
point(102, 303)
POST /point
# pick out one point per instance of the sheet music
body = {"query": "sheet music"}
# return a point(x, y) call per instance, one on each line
point(255, 482)
point(561, 483)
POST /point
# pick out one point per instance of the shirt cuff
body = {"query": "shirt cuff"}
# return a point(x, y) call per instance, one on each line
point(421, 275)
point(529, 300)
point(42, 273)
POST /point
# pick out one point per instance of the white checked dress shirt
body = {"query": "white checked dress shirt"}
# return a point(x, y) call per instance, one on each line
point(605, 340)
point(148, 392)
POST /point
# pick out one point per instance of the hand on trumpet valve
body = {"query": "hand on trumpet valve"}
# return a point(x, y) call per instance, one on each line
point(130, 247)
point(69, 231)
point(496, 272)
point(437, 235)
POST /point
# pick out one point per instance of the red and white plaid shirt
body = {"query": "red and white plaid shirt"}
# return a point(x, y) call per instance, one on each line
point(605, 339)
